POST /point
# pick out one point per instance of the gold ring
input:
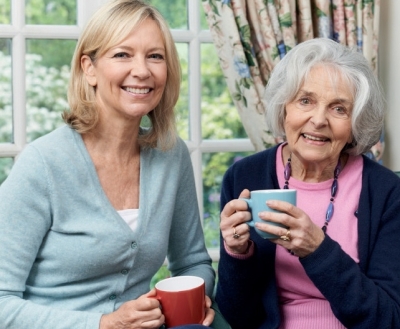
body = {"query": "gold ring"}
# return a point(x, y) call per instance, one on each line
point(286, 236)
point(235, 235)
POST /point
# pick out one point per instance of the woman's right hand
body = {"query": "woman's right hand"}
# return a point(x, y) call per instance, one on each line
point(233, 220)
point(141, 313)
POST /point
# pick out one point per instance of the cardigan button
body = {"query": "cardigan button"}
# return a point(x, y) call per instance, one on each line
point(124, 272)
point(134, 245)
point(112, 297)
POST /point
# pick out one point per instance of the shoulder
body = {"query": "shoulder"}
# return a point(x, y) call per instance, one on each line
point(61, 133)
point(257, 171)
point(171, 162)
point(381, 185)
point(58, 139)
point(256, 162)
point(178, 151)
point(57, 150)
point(375, 173)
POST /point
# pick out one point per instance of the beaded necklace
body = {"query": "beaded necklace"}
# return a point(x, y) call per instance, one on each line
point(329, 212)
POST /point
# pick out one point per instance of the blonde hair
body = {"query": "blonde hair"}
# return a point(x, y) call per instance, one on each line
point(111, 24)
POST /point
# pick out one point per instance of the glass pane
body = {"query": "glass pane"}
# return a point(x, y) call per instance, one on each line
point(182, 107)
point(49, 12)
point(5, 92)
point(47, 75)
point(5, 167)
point(5, 11)
point(220, 119)
point(214, 168)
point(203, 20)
point(174, 11)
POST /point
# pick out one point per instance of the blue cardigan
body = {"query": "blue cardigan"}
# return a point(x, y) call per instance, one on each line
point(66, 255)
point(364, 295)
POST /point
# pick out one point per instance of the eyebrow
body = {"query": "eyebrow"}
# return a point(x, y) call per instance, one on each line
point(122, 47)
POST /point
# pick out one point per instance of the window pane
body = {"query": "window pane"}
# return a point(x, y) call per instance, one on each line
point(50, 12)
point(5, 167)
point(5, 12)
point(52, 53)
point(220, 119)
point(47, 75)
point(182, 107)
point(203, 20)
point(214, 168)
point(174, 11)
point(5, 92)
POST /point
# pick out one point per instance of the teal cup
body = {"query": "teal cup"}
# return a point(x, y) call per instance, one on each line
point(257, 203)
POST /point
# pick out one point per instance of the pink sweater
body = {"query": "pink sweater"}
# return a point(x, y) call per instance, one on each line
point(302, 304)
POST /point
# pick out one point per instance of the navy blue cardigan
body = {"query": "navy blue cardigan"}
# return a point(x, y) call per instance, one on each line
point(364, 295)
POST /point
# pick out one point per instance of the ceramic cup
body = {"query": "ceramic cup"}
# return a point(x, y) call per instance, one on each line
point(182, 300)
point(257, 203)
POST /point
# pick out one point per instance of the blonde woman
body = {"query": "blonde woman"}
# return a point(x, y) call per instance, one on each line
point(90, 212)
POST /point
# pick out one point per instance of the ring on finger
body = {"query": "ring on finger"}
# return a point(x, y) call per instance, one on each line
point(286, 236)
point(235, 235)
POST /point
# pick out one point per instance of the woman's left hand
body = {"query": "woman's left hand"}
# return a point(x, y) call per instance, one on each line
point(210, 313)
point(304, 237)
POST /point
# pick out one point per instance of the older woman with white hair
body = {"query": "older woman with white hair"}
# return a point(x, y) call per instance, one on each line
point(90, 212)
point(336, 265)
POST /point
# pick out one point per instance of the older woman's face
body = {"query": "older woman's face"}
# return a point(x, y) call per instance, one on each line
point(318, 119)
point(130, 77)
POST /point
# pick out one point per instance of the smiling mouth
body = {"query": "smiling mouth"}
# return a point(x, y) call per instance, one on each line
point(137, 90)
point(313, 138)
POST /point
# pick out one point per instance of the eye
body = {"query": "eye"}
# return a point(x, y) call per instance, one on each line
point(304, 101)
point(121, 55)
point(157, 56)
point(340, 111)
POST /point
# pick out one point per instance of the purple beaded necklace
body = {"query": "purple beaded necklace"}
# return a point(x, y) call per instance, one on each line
point(329, 212)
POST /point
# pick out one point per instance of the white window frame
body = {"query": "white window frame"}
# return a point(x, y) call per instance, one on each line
point(19, 32)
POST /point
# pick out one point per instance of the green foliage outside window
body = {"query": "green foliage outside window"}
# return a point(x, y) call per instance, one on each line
point(5, 11)
point(50, 12)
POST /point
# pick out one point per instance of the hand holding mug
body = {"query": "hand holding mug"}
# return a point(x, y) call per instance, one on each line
point(233, 224)
point(139, 313)
point(237, 216)
point(257, 203)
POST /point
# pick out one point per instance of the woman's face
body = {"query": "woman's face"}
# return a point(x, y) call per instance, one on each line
point(318, 119)
point(131, 76)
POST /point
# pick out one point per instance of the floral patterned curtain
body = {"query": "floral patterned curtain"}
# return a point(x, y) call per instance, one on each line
point(251, 36)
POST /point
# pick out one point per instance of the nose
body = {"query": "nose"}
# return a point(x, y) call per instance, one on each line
point(319, 116)
point(140, 68)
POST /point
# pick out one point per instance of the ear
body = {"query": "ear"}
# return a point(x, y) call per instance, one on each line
point(89, 70)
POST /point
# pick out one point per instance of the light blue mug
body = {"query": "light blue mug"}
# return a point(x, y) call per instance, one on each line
point(257, 203)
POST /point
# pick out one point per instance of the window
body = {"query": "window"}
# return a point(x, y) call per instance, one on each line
point(33, 85)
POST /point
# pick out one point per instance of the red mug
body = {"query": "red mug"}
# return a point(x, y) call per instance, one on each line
point(182, 300)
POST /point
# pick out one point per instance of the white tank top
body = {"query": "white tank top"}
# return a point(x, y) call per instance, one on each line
point(130, 216)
